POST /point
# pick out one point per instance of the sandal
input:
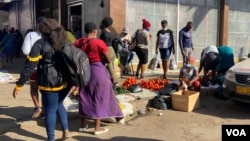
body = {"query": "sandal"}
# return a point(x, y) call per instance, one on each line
point(101, 132)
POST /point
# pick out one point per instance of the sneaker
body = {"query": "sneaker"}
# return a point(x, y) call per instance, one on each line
point(37, 112)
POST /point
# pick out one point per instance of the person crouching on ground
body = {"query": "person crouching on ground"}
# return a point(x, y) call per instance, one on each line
point(209, 61)
point(97, 99)
point(189, 75)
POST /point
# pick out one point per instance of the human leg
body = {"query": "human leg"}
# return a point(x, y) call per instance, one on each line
point(62, 113)
point(35, 96)
point(165, 55)
point(98, 128)
point(83, 125)
point(50, 100)
point(143, 61)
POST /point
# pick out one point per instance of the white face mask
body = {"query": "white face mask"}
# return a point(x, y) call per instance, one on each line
point(188, 65)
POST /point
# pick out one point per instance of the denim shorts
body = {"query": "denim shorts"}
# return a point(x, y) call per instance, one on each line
point(165, 53)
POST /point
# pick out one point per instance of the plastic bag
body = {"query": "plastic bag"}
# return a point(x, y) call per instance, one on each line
point(136, 88)
point(173, 64)
point(154, 62)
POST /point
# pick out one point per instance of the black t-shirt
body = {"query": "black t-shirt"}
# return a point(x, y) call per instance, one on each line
point(107, 37)
point(165, 37)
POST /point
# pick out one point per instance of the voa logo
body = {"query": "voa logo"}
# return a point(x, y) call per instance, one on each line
point(236, 132)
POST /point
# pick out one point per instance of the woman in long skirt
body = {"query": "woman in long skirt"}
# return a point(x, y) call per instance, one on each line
point(97, 99)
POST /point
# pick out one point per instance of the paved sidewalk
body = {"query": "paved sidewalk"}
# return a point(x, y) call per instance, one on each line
point(16, 113)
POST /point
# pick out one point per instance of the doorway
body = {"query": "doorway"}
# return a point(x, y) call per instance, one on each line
point(75, 19)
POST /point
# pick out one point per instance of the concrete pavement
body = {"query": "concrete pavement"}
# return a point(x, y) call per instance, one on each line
point(15, 114)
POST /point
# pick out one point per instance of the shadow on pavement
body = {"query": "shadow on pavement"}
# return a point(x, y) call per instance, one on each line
point(24, 133)
point(209, 105)
point(119, 138)
point(6, 138)
point(19, 113)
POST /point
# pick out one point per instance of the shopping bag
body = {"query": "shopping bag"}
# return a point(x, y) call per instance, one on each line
point(173, 63)
point(154, 62)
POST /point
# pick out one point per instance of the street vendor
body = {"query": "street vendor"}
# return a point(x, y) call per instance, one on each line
point(189, 76)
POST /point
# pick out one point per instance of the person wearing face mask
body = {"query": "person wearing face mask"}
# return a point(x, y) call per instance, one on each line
point(125, 37)
point(189, 75)
point(165, 43)
point(142, 37)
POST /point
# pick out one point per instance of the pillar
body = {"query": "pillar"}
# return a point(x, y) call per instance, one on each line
point(223, 26)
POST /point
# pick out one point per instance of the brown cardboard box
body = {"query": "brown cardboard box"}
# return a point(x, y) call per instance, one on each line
point(185, 100)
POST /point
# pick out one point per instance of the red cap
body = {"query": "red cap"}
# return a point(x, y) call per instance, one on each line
point(145, 23)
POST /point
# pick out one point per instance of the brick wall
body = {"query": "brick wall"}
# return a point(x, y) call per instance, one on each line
point(118, 13)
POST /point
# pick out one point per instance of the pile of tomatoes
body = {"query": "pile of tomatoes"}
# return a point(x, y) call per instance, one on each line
point(129, 82)
point(152, 84)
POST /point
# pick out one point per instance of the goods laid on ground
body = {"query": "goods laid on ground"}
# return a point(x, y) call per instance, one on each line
point(151, 84)
point(154, 84)
point(120, 90)
point(129, 82)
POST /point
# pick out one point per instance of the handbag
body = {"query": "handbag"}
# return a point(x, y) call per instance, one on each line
point(132, 45)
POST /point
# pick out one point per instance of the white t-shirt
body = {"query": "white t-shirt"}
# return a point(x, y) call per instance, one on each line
point(208, 50)
point(29, 41)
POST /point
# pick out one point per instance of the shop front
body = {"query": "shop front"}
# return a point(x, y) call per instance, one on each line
point(75, 16)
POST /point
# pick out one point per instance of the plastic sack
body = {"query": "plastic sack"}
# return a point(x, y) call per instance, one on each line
point(136, 88)
point(173, 64)
point(154, 62)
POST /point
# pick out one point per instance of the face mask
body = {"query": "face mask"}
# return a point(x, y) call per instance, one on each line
point(188, 65)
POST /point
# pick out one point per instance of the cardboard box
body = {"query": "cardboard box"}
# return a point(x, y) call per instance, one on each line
point(185, 100)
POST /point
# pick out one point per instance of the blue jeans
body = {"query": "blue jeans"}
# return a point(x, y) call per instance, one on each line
point(53, 104)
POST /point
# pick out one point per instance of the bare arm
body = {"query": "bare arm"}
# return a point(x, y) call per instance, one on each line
point(107, 57)
point(196, 77)
point(157, 45)
point(173, 44)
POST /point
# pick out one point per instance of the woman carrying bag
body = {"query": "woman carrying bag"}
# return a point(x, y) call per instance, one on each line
point(165, 43)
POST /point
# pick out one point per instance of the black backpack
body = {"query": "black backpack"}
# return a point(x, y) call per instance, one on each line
point(75, 65)
point(117, 45)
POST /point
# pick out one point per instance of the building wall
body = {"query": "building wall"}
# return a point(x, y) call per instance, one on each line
point(20, 16)
point(203, 13)
point(3, 19)
point(238, 28)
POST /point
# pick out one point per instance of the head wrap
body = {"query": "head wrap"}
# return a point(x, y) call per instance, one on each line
point(145, 23)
